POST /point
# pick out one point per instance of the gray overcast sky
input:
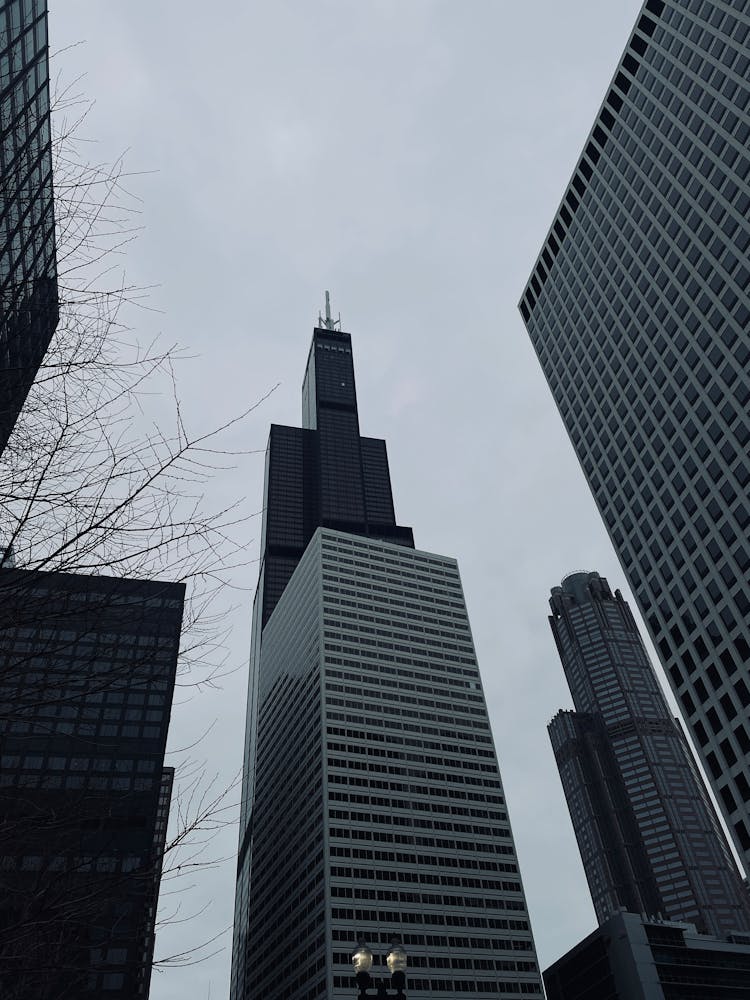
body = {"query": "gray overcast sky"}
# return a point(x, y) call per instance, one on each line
point(409, 156)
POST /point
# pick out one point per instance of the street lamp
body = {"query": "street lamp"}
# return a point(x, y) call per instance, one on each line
point(396, 962)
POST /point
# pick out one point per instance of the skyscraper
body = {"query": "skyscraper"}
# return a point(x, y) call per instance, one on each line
point(648, 835)
point(372, 801)
point(87, 669)
point(28, 268)
point(638, 309)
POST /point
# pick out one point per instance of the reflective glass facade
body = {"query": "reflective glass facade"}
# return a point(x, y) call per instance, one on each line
point(372, 800)
point(87, 669)
point(28, 269)
point(648, 835)
point(638, 308)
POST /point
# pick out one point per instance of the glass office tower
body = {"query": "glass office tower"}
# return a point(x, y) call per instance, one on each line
point(638, 308)
point(87, 670)
point(649, 838)
point(28, 269)
point(372, 801)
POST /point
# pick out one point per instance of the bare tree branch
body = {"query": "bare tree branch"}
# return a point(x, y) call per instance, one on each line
point(105, 474)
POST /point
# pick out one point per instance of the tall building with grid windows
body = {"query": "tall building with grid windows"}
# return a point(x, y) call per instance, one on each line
point(28, 268)
point(372, 801)
point(649, 838)
point(87, 670)
point(638, 308)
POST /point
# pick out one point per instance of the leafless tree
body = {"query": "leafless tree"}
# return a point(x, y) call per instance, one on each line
point(105, 475)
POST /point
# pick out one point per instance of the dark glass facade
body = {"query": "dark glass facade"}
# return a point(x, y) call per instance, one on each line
point(28, 269)
point(372, 800)
point(648, 835)
point(323, 474)
point(638, 308)
point(87, 669)
point(631, 958)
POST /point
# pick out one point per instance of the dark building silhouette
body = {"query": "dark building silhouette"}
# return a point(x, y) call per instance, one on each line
point(648, 835)
point(323, 474)
point(28, 269)
point(87, 669)
point(631, 958)
point(638, 308)
point(372, 800)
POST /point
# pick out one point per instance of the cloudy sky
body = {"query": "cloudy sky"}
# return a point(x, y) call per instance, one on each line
point(408, 155)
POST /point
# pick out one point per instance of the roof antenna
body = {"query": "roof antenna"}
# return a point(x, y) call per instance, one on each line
point(328, 323)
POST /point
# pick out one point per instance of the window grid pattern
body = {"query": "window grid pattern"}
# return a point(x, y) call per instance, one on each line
point(369, 694)
point(87, 669)
point(639, 311)
point(377, 481)
point(419, 843)
point(648, 835)
point(281, 927)
point(324, 473)
point(28, 271)
point(629, 953)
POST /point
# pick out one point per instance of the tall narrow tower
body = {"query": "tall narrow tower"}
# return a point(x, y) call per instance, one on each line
point(649, 838)
point(638, 308)
point(372, 801)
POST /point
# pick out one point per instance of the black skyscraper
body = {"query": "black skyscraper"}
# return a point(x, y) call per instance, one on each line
point(87, 669)
point(28, 270)
point(372, 803)
point(323, 474)
point(649, 838)
point(639, 310)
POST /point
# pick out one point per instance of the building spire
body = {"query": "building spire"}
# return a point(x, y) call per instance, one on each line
point(328, 323)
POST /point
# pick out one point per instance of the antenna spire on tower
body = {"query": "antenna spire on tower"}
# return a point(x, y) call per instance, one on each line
point(328, 323)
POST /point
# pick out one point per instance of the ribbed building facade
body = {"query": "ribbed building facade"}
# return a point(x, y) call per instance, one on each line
point(638, 308)
point(649, 838)
point(28, 268)
point(372, 801)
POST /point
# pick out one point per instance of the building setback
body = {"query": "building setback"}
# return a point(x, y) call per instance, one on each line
point(323, 473)
point(28, 268)
point(372, 801)
point(87, 670)
point(638, 308)
point(649, 838)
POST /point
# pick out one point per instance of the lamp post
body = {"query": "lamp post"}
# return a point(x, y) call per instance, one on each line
point(396, 962)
